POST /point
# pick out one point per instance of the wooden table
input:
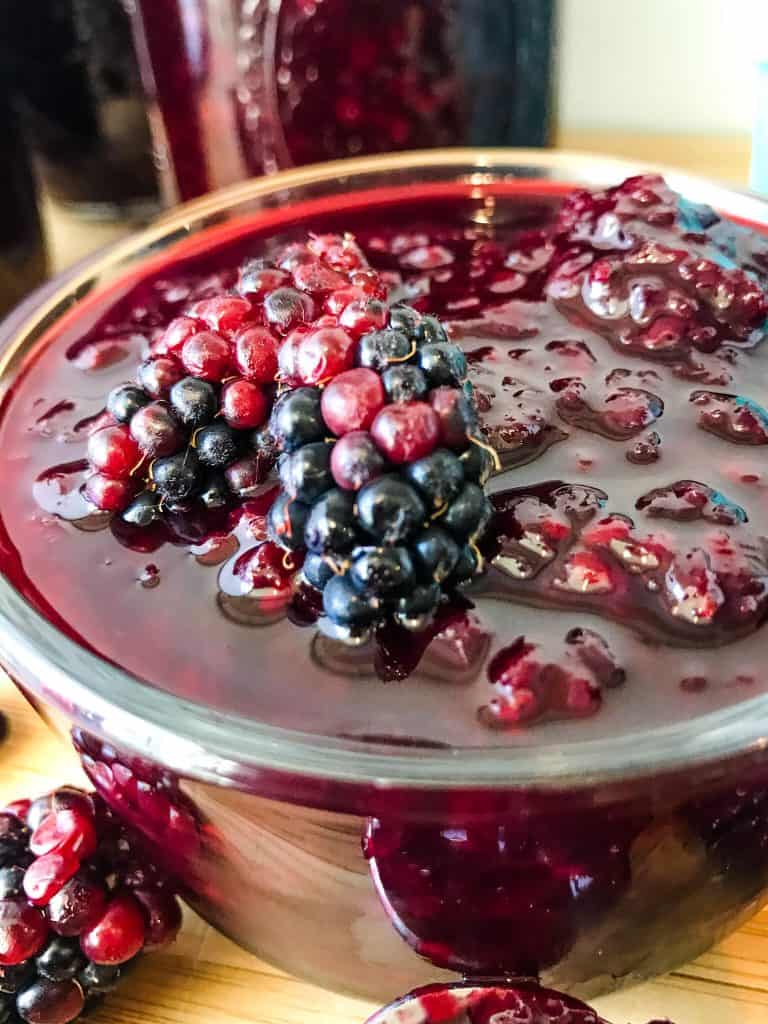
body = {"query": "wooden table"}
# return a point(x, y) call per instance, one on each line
point(204, 978)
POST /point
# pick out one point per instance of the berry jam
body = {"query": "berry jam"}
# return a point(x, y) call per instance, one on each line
point(615, 362)
point(614, 343)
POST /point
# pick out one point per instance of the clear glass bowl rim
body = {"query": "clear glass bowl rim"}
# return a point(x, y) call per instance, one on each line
point(199, 742)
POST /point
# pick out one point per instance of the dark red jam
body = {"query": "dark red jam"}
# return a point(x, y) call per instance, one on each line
point(615, 347)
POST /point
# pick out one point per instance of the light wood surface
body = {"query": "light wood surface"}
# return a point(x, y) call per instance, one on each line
point(205, 979)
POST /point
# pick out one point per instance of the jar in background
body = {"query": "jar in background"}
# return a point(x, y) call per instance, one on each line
point(22, 251)
point(78, 89)
point(246, 87)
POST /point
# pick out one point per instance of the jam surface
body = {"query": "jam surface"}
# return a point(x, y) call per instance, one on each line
point(616, 349)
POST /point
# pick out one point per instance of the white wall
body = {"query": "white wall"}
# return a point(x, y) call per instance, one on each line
point(659, 65)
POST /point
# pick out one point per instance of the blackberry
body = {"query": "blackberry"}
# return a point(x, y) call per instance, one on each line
point(63, 948)
point(381, 476)
point(362, 408)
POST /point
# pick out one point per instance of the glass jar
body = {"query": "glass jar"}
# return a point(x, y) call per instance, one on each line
point(590, 865)
point(245, 88)
point(23, 263)
point(77, 87)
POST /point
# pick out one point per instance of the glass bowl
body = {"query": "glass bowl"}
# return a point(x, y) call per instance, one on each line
point(370, 868)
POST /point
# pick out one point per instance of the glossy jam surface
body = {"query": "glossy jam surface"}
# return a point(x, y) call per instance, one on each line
point(615, 350)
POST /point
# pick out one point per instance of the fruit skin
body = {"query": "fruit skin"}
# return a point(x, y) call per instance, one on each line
point(124, 401)
point(316, 571)
point(438, 477)
point(331, 525)
point(244, 476)
point(379, 349)
point(436, 554)
point(468, 514)
point(23, 931)
point(50, 1002)
point(194, 401)
point(177, 477)
point(355, 461)
point(296, 418)
point(406, 431)
point(443, 364)
point(404, 383)
point(118, 935)
point(477, 464)
point(345, 606)
point(323, 354)
point(286, 522)
point(243, 404)
point(352, 400)
point(216, 445)
point(107, 494)
point(256, 354)
point(113, 451)
point(390, 510)
point(144, 509)
point(158, 375)
point(61, 959)
point(306, 473)
point(456, 415)
point(422, 600)
point(156, 430)
point(206, 356)
point(382, 571)
point(286, 308)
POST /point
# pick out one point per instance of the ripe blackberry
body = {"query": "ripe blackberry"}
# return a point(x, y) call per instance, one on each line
point(380, 481)
point(201, 427)
point(71, 918)
point(362, 407)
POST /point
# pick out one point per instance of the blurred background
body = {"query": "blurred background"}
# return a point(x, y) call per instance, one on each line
point(111, 110)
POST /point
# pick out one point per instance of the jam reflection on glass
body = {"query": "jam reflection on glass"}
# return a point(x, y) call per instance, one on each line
point(615, 345)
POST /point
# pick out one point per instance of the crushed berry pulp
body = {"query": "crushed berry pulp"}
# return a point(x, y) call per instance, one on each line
point(616, 363)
